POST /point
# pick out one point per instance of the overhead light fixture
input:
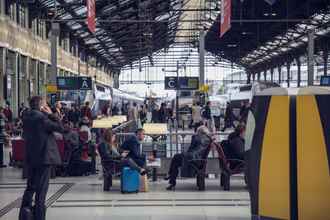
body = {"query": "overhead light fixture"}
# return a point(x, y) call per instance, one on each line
point(232, 45)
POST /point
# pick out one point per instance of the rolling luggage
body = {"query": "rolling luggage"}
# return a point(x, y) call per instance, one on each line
point(130, 180)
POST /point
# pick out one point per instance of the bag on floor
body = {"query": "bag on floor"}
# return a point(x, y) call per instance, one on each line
point(26, 213)
point(79, 168)
point(144, 183)
point(130, 180)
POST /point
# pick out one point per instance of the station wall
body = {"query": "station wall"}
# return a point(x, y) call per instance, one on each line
point(25, 64)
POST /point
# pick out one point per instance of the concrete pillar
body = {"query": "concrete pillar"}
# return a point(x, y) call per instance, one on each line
point(325, 60)
point(288, 68)
point(299, 71)
point(2, 7)
point(272, 74)
point(201, 57)
point(310, 57)
point(53, 39)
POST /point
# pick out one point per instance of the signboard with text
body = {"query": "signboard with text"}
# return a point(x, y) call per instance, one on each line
point(181, 83)
point(74, 83)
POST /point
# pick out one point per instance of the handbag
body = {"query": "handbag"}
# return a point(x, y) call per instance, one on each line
point(144, 187)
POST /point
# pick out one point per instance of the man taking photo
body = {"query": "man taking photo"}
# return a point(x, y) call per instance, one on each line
point(41, 153)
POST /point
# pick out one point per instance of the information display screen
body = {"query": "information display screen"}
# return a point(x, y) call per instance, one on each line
point(74, 83)
point(325, 81)
point(184, 83)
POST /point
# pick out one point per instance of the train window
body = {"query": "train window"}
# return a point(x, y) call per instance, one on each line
point(245, 88)
point(185, 94)
point(100, 88)
point(249, 132)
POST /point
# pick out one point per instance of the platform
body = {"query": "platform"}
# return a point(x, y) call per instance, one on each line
point(83, 198)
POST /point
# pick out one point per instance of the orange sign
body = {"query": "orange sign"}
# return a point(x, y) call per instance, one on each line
point(91, 15)
point(225, 23)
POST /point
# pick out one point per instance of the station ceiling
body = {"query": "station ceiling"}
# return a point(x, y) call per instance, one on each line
point(126, 30)
point(264, 35)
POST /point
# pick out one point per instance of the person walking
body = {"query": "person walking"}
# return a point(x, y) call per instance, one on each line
point(196, 114)
point(41, 154)
point(229, 117)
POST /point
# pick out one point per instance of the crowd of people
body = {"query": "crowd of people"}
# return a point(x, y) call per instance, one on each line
point(41, 126)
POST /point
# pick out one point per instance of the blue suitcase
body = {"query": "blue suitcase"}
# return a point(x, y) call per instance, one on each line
point(130, 180)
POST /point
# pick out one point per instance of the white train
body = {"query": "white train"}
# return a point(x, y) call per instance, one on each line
point(245, 92)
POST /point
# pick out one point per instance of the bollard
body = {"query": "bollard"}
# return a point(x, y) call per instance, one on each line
point(288, 156)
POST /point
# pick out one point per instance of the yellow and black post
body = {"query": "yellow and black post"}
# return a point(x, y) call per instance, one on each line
point(288, 163)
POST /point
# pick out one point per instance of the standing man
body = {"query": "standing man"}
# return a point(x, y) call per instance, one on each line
point(41, 153)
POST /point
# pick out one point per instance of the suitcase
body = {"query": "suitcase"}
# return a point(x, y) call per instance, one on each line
point(130, 180)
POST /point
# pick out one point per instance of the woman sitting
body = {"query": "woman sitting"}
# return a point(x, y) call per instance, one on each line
point(199, 145)
point(109, 152)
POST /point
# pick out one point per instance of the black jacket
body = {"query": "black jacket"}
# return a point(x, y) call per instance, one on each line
point(41, 148)
point(198, 147)
point(132, 144)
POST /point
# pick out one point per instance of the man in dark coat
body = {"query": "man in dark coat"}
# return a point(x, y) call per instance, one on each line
point(41, 153)
point(134, 147)
point(198, 148)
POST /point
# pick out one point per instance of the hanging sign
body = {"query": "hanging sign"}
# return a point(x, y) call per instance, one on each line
point(74, 83)
point(91, 15)
point(225, 23)
point(181, 83)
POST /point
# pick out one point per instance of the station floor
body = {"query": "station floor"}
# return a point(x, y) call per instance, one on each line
point(83, 198)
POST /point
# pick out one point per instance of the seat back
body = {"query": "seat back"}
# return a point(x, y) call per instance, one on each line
point(18, 146)
point(223, 163)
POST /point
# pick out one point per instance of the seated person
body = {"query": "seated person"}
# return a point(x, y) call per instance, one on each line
point(71, 139)
point(85, 127)
point(234, 149)
point(199, 144)
point(109, 152)
point(134, 148)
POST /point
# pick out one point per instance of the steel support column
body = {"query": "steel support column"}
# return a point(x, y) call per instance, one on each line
point(259, 76)
point(248, 78)
point(272, 74)
point(288, 67)
point(298, 72)
point(325, 60)
point(310, 57)
point(265, 75)
point(201, 58)
point(279, 68)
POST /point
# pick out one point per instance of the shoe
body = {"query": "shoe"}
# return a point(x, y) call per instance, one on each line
point(166, 177)
point(170, 188)
point(144, 172)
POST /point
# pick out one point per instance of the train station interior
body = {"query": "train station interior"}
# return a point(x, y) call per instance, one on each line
point(165, 109)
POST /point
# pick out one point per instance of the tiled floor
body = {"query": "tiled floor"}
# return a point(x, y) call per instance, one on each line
point(83, 198)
